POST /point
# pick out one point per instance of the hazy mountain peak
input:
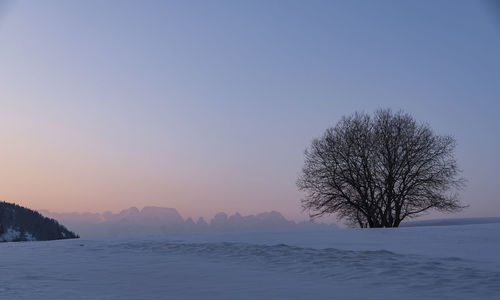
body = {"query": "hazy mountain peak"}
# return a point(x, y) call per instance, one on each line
point(131, 211)
point(164, 214)
point(219, 218)
point(201, 222)
point(272, 215)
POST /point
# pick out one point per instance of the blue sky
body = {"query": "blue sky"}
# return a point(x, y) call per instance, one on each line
point(208, 105)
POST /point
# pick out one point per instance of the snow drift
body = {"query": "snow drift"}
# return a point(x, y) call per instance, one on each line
point(446, 262)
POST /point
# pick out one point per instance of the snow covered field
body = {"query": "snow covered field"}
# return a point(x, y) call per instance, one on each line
point(445, 262)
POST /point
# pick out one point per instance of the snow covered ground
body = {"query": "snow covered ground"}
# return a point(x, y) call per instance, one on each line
point(445, 262)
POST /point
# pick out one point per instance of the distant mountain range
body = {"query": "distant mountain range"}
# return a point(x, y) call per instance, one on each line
point(162, 220)
point(22, 224)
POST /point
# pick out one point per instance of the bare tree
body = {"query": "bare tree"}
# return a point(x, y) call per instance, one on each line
point(376, 171)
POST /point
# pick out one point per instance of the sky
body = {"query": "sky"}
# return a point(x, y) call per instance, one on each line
point(208, 106)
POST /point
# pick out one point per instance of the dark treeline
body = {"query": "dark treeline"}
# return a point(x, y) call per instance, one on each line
point(21, 224)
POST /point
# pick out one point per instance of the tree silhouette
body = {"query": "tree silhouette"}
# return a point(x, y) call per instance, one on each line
point(376, 171)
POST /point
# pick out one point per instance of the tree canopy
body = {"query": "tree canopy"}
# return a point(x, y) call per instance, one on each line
point(376, 171)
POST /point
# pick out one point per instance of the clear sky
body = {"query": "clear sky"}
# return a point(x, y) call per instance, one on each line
point(207, 106)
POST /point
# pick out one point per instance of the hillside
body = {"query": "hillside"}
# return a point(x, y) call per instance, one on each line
point(450, 222)
point(21, 224)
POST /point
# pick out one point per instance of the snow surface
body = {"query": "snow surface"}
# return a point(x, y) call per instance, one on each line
point(445, 262)
point(12, 235)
